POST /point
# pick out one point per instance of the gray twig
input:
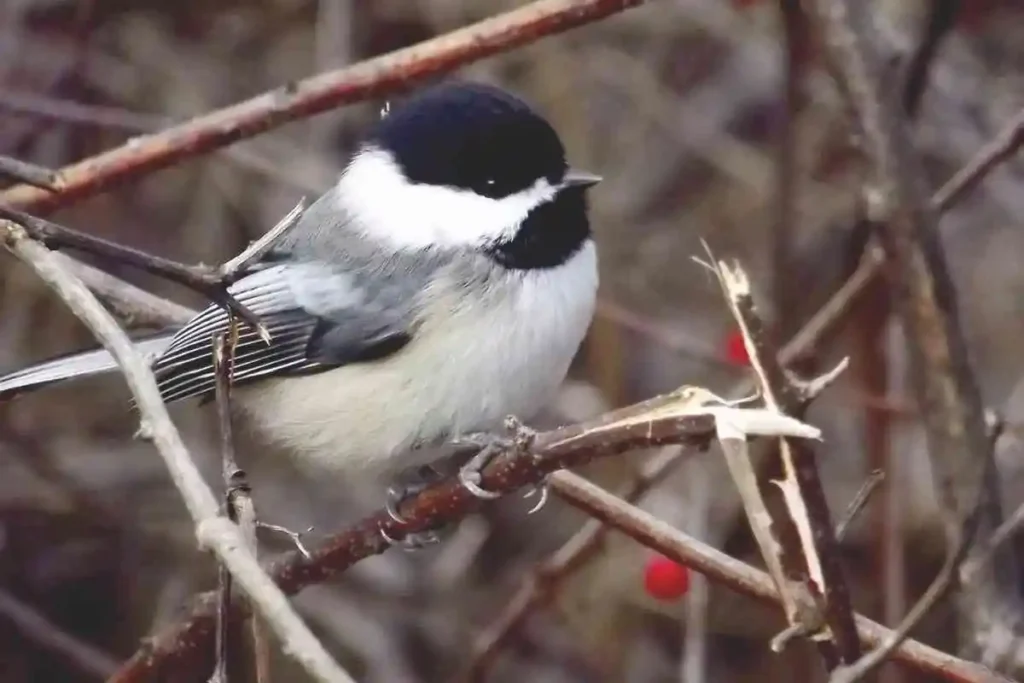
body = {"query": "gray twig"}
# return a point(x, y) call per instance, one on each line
point(214, 531)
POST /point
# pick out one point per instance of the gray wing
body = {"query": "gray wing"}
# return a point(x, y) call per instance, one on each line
point(318, 317)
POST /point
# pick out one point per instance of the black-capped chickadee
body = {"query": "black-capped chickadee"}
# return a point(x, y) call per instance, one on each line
point(445, 282)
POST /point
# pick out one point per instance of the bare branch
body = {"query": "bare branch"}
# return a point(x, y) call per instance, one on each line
point(40, 630)
point(209, 282)
point(801, 485)
point(188, 645)
point(371, 78)
point(940, 21)
point(30, 174)
point(717, 566)
point(213, 531)
point(869, 487)
point(960, 450)
point(539, 587)
point(941, 584)
point(1006, 144)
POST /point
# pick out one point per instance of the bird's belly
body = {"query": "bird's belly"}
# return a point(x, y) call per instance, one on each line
point(465, 376)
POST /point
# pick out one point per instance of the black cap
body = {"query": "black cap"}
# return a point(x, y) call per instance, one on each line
point(472, 136)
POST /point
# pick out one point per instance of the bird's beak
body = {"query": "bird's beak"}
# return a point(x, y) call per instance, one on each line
point(577, 178)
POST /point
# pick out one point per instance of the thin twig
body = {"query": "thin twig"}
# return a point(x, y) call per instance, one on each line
point(941, 584)
point(223, 364)
point(232, 268)
point(238, 502)
point(24, 172)
point(958, 445)
point(209, 282)
point(547, 577)
point(1007, 143)
point(801, 484)
point(719, 567)
point(867, 489)
point(368, 79)
point(188, 645)
point(214, 532)
point(940, 21)
point(40, 630)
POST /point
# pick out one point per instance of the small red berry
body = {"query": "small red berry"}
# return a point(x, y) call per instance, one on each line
point(665, 579)
point(736, 350)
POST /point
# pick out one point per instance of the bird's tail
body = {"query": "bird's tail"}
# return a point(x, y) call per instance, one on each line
point(74, 365)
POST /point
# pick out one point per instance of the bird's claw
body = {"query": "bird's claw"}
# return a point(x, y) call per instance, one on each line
point(490, 446)
point(410, 484)
point(414, 541)
point(544, 490)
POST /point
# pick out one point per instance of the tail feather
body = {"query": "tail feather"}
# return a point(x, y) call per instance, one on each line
point(75, 365)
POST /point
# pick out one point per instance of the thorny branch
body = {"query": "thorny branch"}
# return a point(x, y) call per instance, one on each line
point(946, 389)
point(213, 531)
point(801, 485)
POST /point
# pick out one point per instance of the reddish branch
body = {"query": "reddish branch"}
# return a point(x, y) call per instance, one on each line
point(540, 587)
point(187, 647)
point(721, 568)
point(371, 78)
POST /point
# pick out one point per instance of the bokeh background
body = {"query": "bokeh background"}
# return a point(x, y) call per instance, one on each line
point(678, 104)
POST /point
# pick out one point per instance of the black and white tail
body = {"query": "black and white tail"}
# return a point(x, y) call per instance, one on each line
point(75, 365)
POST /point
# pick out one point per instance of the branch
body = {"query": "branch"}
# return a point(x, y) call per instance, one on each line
point(213, 531)
point(942, 15)
point(801, 486)
point(687, 416)
point(188, 645)
point(212, 283)
point(30, 174)
point(547, 578)
point(960, 451)
point(40, 630)
point(368, 79)
point(741, 577)
point(940, 585)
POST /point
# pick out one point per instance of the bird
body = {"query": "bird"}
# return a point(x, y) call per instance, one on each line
point(444, 282)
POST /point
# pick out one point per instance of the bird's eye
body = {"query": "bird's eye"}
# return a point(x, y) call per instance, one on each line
point(490, 181)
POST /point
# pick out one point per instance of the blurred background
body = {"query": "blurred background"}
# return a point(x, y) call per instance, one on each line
point(679, 105)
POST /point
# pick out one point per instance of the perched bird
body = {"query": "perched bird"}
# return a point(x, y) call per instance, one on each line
point(444, 282)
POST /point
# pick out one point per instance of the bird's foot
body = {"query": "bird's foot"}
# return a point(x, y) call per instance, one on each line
point(409, 484)
point(490, 446)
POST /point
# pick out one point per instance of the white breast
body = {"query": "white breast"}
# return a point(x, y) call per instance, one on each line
point(460, 375)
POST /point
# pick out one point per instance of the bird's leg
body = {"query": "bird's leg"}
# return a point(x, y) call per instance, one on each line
point(490, 446)
point(472, 452)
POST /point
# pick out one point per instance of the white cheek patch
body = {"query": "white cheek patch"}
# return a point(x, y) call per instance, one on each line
point(387, 206)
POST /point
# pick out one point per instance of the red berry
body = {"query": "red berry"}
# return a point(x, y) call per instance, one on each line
point(736, 350)
point(665, 579)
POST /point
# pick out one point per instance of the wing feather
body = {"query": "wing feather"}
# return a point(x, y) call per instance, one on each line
point(300, 304)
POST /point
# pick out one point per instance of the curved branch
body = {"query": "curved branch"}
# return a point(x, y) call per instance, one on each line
point(370, 78)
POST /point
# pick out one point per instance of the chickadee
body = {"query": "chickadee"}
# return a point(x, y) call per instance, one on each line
point(445, 282)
